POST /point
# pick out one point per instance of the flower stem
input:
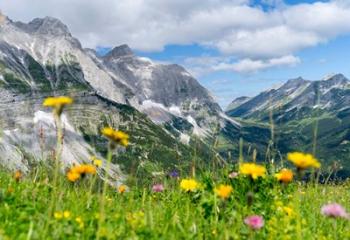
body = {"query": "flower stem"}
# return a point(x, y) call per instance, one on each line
point(104, 189)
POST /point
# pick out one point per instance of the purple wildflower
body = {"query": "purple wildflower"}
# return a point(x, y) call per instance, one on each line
point(334, 210)
point(254, 222)
point(158, 188)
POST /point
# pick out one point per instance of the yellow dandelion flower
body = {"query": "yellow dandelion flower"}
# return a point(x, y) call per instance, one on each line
point(289, 211)
point(58, 103)
point(79, 171)
point(97, 162)
point(189, 185)
point(303, 161)
point(122, 189)
point(253, 170)
point(58, 215)
point(89, 169)
point(116, 136)
point(73, 176)
point(18, 175)
point(66, 214)
point(79, 220)
point(224, 191)
point(285, 175)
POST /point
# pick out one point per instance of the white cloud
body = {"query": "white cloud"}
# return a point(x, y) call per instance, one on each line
point(203, 65)
point(234, 27)
point(248, 65)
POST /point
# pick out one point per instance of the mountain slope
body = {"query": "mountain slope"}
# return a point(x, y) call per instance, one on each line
point(41, 59)
point(299, 108)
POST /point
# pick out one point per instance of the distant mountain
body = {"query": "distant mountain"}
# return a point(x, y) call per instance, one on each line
point(237, 102)
point(295, 108)
point(297, 99)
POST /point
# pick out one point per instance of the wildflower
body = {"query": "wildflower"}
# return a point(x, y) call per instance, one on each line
point(289, 211)
point(122, 189)
point(57, 103)
point(254, 222)
point(80, 222)
point(334, 210)
point(285, 175)
point(189, 185)
point(18, 175)
point(58, 215)
point(97, 162)
point(76, 172)
point(224, 191)
point(174, 174)
point(89, 169)
point(73, 176)
point(253, 170)
point(303, 161)
point(233, 175)
point(66, 214)
point(158, 188)
point(115, 136)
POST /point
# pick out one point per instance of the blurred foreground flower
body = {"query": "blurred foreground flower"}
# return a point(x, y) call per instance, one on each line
point(174, 174)
point(18, 175)
point(284, 176)
point(303, 161)
point(76, 172)
point(57, 103)
point(96, 161)
point(66, 214)
point(58, 215)
point(233, 175)
point(116, 136)
point(122, 189)
point(80, 222)
point(253, 170)
point(189, 185)
point(334, 210)
point(158, 188)
point(224, 191)
point(254, 222)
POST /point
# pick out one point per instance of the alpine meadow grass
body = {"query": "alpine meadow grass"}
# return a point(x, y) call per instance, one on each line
point(242, 200)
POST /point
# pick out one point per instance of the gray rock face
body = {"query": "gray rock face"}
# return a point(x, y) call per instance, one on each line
point(45, 26)
point(120, 51)
point(164, 88)
point(28, 133)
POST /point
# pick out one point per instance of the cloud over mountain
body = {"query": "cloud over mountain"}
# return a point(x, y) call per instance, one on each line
point(233, 27)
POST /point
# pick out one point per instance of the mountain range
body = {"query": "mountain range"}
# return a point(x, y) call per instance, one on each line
point(163, 107)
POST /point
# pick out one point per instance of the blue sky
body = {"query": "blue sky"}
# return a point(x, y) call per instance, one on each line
point(233, 47)
point(316, 63)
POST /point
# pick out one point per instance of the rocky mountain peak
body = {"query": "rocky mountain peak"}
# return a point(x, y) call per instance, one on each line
point(45, 26)
point(336, 78)
point(295, 81)
point(119, 51)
